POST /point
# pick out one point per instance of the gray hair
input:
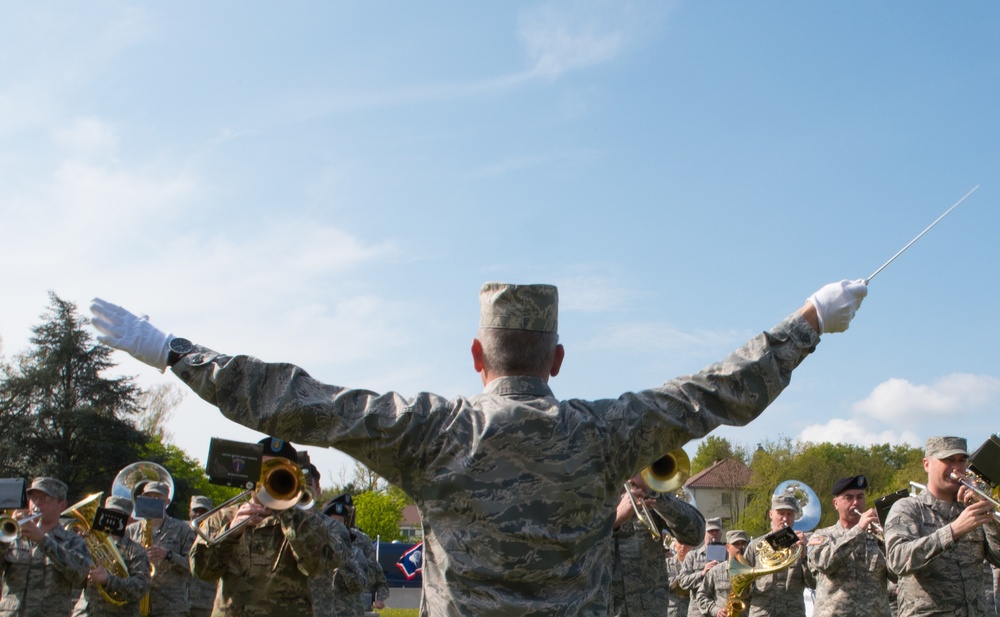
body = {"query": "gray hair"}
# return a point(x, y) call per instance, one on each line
point(518, 352)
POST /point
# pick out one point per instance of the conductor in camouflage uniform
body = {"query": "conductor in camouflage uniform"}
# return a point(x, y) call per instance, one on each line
point(780, 594)
point(167, 541)
point(128, 589)
point(45, 566)
point(696, 565)
point(640, 584)
point(517, 490)
point(936, 541)
point(712, 596)
point(847, 560)
point(264, 567)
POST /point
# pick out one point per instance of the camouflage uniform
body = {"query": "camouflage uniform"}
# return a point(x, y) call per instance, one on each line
point(690, 577)
point(131, 589)
point(168, 594)
point(517, 491)
point(938, 575)
point(713, 592)
point(202, 595)
point(639, 580)
point(779, 594)
point(851, 575)
point(351, 584)
point(376, 577)
point(266, 571)
point(43, 580)
point(677, 598)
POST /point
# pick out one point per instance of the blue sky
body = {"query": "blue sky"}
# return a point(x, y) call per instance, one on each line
point(330, 183)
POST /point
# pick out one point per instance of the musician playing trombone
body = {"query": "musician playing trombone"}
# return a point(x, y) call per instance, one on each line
point(848, 559)
point(640, 586)
point(44, 567)
point(517, 490)
point(936, 541)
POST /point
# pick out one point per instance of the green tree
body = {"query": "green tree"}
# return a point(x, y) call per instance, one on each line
point(66, 419)
point(379, 512)
point(712, 449)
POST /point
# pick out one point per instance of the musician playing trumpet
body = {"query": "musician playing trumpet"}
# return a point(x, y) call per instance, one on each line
point(45, 565)
point(847, 558)
point(936, 541)
point(639, 582)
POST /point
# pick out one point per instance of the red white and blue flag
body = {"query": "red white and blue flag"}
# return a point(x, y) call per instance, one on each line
point(412, 561)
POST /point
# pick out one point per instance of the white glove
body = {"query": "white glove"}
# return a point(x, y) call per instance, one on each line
point(123, 330)
point(836, 304)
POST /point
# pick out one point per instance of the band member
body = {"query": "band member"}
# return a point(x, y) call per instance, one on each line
point(678, 597)
point(45, 566)
point(712, 596)
point(848, 559)
point(265, 564)
point(352, 582)
point(936, 541)
point(168, 542)
point(130, 589)
point(780, 594)
point(201, 593)
point(517, 490)
point(696, 565)
point(639, 583)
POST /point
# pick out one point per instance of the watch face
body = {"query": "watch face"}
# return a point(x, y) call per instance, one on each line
point(181, 346)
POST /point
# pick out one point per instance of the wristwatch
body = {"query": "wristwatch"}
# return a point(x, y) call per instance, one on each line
point(179, 347)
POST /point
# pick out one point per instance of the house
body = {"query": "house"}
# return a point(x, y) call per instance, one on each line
point(720, 490)
point(410, 526)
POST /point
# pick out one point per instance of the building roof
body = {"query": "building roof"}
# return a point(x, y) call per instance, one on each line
point(727, 473)
point(411, 516)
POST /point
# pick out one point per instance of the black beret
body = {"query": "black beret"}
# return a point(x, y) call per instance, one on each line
point(278, 447)
point(339, 505)
point(846, 484)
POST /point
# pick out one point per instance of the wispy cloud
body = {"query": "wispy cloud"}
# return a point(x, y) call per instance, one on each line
point(898, 400)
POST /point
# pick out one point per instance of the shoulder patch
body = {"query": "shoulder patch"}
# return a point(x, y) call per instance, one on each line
point(816, 540)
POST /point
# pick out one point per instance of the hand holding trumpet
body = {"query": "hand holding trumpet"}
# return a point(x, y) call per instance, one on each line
point(976, 514)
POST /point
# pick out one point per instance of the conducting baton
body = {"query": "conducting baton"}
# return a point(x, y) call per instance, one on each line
point(955, 205)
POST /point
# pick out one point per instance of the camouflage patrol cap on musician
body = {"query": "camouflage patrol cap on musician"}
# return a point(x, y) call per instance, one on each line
point(201, 502)
point(785, 502)
point(159, 488)
point(713, 524)
point(118, 504)
point(943, 447)
point(737, 535)
point(52, 487)
point(519, 307)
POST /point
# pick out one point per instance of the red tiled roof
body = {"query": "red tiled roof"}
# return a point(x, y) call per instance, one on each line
point(411, 516)
point(727, 473)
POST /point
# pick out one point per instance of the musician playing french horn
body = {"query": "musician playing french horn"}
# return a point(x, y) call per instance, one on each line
point(848, 557)
point(45, 565)
point(712, 596)
point(936, 541)
point(779, 594)
point(167, 541)
point(639, 583)
point(129, 589)
point(266, 561)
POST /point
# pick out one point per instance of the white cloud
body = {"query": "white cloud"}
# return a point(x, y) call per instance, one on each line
point(840, 430)
point(900, 401)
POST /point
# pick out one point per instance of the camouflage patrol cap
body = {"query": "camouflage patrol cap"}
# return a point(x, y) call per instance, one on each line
point(713, 524)
point(785, 501)
point(519, 307)
point(737, 535)
point(52, 487)
point(943, 447)
point(160, 488)
point(118, 504)
point(201, 502)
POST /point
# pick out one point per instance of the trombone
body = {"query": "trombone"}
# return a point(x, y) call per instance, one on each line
point(282, 485)
point(666, 475)
point(10, 526)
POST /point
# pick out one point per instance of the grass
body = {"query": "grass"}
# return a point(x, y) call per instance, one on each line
point(399, 612)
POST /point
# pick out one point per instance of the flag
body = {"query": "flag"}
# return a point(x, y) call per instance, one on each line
point(412, 561)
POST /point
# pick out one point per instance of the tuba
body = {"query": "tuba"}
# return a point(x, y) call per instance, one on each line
point(666, 475)
point(102, 548)
point(809, 506)
point(770, 559)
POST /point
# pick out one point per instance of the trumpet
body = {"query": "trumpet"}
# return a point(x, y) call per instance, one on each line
point(873, 528)
point(282, 486)
point(972, 481)
point(10, 526)
point(666, 475)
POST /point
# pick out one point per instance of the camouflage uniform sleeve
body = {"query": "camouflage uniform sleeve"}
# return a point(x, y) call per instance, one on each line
point(137, 583)
point(69, 554)
point(907, 551)
point(209, 562)
point(684, 521)
point(353, 574)
point(317, 542)
point(690, 574)
point(705, 596)
point(827, 554)
point(377, 577)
